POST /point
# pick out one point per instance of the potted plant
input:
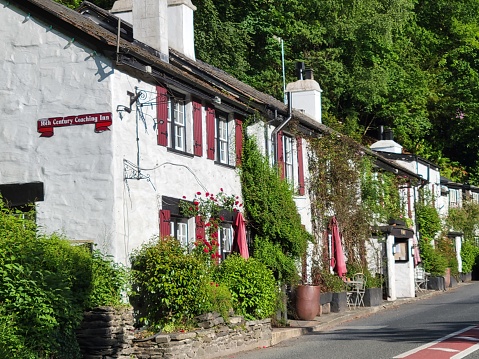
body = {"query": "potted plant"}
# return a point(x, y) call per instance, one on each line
point(332, 290)
point(373, 295)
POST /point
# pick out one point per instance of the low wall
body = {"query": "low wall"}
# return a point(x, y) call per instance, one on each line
point(108, 333)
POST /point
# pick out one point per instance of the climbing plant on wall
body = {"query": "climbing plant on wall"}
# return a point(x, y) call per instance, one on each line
point(336, 165)
point(380, 194)
point(279, 239)
point(344, 183)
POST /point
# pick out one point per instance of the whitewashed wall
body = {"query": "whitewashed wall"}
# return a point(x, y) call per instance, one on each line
point(138, 202)
point(86, 196)
point(44, 75)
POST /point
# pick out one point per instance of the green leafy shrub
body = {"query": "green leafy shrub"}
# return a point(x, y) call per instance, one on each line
point(445, 246)
point(469, 255)
point(428, 220)
point(45, 284)
point(279, 239)
point(433, 260)
point(328, 282)
point(109, 280)
point(220, 299)
point(169, 285)
point(252, 286)
point(12, 343)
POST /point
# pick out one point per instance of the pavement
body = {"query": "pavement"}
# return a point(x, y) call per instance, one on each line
point(297, 328)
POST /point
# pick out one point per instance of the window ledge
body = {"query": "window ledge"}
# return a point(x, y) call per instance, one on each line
point(183, 153)
point(224, 165)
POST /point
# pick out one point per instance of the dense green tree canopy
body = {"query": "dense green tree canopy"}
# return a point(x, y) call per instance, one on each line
point(408, 64)
point(411, 65)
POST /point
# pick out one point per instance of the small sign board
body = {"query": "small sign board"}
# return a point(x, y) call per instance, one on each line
point(100, 120)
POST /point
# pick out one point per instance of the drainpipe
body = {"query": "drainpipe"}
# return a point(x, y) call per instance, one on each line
point(274, 139)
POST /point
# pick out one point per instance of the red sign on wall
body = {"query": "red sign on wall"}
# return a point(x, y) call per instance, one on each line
point(100, 120)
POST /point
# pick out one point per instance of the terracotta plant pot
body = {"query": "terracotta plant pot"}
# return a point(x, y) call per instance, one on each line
point(307, 301)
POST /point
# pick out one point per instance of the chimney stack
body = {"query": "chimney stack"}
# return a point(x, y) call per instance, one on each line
point(160, 24)
point(150, 24)
point(180, 27)
point(305, 92)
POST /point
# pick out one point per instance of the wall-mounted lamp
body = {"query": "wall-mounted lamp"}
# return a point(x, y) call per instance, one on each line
point(217, 100)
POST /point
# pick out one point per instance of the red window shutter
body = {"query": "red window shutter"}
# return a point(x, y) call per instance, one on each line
point(280, 154)
point(239, 140)
point(165, 223)
point(162, 115)
point(200, 228)
point(197, 129)
point(299, 146)
point(210, 133)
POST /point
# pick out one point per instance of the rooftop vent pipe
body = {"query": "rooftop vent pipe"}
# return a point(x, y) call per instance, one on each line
point(300, 70)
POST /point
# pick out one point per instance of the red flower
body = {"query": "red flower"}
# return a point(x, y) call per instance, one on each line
point(237, 197)
point(237, 202)
point(199, 236)
point(214, 242)
point(206, 250)
point(241, 204)
point(207, 194)
point(191, 208)
point(196, 203)
point(198, 193)
point(221, 189)
point(184, 197)
point(217, 285)
point(222, 218)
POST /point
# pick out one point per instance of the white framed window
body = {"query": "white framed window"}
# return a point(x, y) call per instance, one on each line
point(223, 139)
point(475, 197)
point(288, 159)
point(225, 239)
point(179, 230)
point(454, 197)
point(177, 120)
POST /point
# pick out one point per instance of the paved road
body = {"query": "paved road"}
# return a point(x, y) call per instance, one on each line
point(408, 331)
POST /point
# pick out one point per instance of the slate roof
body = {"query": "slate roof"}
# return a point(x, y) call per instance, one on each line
point(201, 79)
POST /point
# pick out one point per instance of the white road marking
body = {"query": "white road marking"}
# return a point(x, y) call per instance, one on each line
point(445, 350)
point(469, 338)
point(361, 327)
point(466, 352)
point(425, 346)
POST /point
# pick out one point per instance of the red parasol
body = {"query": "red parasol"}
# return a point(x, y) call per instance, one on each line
point(239, 241)
point(337, 256)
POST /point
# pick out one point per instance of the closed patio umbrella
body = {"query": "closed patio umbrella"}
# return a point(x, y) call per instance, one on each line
point(239, 242)
point(337, 254)
point(417, 256)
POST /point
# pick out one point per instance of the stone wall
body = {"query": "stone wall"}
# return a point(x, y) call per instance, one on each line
point(106, 333)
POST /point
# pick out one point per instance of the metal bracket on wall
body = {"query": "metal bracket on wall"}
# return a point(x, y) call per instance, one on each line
point(132, 172)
